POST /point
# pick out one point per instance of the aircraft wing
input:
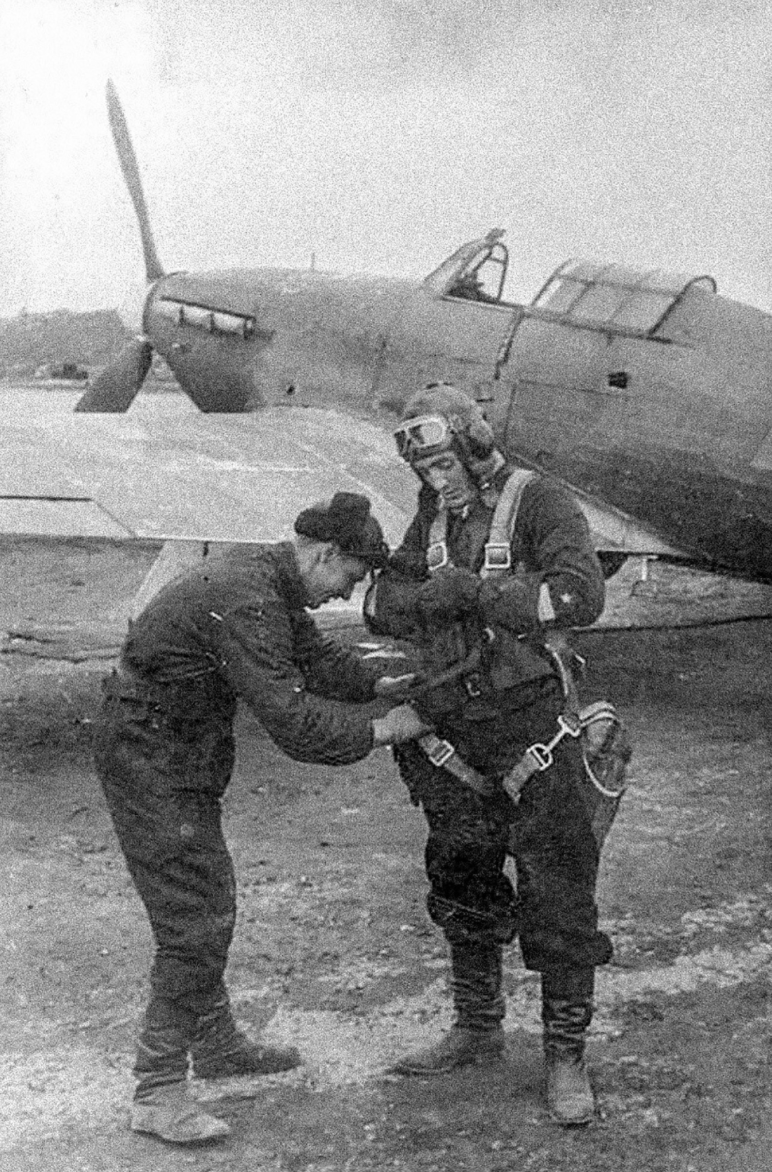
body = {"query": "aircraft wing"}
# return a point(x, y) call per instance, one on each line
point(164, 471)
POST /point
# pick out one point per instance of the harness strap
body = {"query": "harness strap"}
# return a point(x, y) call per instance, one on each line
point(466, 670)
point(537, 758)
point(498, 559)
point(443, 756)
point(498, 551)
point(498, 547)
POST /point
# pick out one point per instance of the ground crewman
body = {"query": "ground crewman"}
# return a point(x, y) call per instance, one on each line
point(164, 748)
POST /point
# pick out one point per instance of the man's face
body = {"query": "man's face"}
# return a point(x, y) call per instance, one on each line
point(445, 473)
point(333, 575)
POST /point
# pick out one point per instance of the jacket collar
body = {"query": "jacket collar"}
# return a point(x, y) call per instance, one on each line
point(290, 582)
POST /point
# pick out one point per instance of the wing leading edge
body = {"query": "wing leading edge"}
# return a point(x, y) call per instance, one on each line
point(172, 474)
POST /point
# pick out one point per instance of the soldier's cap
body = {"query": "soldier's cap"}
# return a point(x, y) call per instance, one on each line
point(347, 522)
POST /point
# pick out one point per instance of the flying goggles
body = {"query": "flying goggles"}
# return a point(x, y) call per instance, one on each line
point(422, 436)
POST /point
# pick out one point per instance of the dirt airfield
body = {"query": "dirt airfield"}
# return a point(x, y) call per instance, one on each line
point(334, 951)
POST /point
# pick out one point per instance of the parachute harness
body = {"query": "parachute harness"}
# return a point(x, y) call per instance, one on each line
point(605, 745)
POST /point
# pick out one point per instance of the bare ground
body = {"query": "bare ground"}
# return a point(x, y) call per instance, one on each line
point(334, 950)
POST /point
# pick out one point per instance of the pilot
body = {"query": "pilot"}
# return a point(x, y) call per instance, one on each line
point(469, 287)
point(502, 695)
point(164, 751)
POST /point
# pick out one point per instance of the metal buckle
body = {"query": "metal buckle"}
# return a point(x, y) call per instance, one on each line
point(498, 556)
point(438, 550)
point(441, 753)
point(541, 755)
point(473, 685)
point(569, 725)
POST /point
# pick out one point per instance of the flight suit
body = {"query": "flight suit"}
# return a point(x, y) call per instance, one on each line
point(549, 830)
point(164, 750)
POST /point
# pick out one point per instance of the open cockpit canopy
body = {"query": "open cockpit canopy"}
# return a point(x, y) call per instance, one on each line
point(615, 297)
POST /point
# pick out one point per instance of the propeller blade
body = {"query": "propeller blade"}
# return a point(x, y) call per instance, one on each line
point(114, 389)
point(130, 169)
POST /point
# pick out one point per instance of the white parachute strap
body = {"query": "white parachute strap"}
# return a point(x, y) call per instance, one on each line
point(437, 556)
point(498, 555)
point(498, 547)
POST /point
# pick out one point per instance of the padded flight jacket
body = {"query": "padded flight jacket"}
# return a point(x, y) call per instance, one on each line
point(551, 553)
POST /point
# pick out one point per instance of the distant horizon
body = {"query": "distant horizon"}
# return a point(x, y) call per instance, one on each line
point(26, 312)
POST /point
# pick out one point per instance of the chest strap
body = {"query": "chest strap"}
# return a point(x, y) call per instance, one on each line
point(498, 547)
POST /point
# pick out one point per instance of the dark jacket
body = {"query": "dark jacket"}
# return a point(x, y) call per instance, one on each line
point(555, 581)
point(238, 629)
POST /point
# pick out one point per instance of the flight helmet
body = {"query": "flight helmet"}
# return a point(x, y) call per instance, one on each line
point(441, 417)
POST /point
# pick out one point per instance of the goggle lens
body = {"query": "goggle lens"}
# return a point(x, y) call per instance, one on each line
point(421, 435)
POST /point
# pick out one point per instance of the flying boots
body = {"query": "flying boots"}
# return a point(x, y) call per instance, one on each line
point(477, 1034)
point(162, 1106)
point(570, 1098)
point(221, 1050)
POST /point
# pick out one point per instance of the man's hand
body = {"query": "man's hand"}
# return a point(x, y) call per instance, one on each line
point(399, 724)
point(394, 686)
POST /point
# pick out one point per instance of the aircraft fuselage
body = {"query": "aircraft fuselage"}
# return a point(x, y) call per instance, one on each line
point(674, 428)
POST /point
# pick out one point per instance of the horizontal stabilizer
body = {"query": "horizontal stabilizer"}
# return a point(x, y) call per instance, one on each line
point(647, 593)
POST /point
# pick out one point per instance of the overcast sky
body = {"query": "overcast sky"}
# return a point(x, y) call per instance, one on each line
point(380, 134)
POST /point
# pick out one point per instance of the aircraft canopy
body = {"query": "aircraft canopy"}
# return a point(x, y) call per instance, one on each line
point(615, 297)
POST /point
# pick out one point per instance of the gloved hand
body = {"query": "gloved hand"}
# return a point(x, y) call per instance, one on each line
point(449, 594)
point(394, 686)
point(390, 606)
point(399, 724)
point(511, 602)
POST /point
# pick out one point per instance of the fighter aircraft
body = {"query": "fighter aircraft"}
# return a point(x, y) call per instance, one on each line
point(646, 392)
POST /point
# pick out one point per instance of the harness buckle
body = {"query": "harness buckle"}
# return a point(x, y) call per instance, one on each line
point(541, 755)
point(473, 685)
point(440, 753)
point(498, 556)
point(437, 556)
point(569, 725)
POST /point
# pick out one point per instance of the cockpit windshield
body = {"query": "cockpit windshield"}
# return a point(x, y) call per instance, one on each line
point(475, 272)
point(615, 297)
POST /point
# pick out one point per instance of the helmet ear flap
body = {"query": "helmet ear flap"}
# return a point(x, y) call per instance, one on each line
point(480, 438)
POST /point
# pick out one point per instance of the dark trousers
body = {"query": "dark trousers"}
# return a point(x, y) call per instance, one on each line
point(548, 832)
point(168, 822)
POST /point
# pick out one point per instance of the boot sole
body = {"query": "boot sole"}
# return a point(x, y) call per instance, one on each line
point(169, 1137)
point(583, 1122)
